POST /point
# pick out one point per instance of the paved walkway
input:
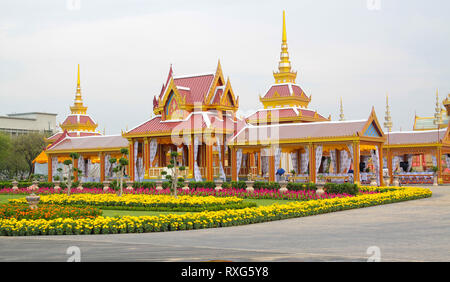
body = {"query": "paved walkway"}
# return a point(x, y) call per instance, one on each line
point(409, 231)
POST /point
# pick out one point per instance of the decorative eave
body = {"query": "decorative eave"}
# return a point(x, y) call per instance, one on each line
point(218, 76)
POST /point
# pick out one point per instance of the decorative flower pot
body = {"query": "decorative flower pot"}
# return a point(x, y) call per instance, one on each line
point(34, 186)
point(218, 185)
point(387, 181)
point(283, 185)
point(33, 200)
point(106, 185)
point(14, 185)
point(56, 187)
point(396, 183)
point(435, 180)
point(320, 191)
point(80, 187)
point(129, 185)
point(373, 181)
point(249, 186)
point(186, 186)
point(159, 185)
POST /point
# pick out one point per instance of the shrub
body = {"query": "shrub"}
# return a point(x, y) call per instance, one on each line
point(238, 184)
point(347, 188)
point(301, 186)
point(22, 211)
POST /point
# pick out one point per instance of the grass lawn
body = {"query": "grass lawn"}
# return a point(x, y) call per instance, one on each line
point(260, 202)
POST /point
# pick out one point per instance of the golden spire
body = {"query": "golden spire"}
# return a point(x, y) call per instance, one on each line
point(438, 112)
point(387, 117)
point(78, 107)
point(284, 73)
point(341, 109)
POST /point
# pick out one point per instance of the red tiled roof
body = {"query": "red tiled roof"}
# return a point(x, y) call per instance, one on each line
point(282, 113)
point(199, 87)
point(195, 121)
point(90, 142)
point(300, 131)
point(284, 91)
point(414, 137)
point(73, 119)
point(72, 134)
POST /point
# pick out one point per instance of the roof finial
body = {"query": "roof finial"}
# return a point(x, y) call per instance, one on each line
point(78, 107)
point(387, 117)
point(341, 109)
point(438, 112)
point(284, 37)
point(284, 74)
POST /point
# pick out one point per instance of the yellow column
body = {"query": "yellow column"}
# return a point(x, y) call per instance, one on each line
point(439, 165)
point(233, 164)
point(356, 162)
point(50, 171)
point(146, 157)
point(131, 159)
point(380, 156)
point(389, 164)
point(259, 163)
point(75, 174)
point(272, 166)
point(102, 166)
point(312, 163)
point(209, 162)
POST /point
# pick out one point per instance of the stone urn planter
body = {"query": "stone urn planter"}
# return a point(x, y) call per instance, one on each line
point(283, 186)
point(14, 185)
point(249, 185)
point(186, 186)
point(218, 185)
point(320, 191)
point(56, 187)
point(387, 181)
point(33, 200)
point(106, 185)
point(80, 187)
point(34, 186)
point(435, 179)
point(129, 185)
point(395, 183)
point(373, 181)
point(159, 185)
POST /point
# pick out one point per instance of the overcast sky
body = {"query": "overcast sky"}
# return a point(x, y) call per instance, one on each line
point(345, 49)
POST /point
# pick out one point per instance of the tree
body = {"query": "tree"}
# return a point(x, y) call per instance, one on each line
point(71, 169)
point(28, 147)
point(174, 169)
point(120, 169)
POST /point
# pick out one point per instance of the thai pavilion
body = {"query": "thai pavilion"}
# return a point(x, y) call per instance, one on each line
point(410, 155)
point(196, 115)
point(79, 135)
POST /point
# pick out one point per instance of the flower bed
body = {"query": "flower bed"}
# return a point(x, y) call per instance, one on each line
point(21, 211)
point(144, 202)
point(299, 195)
point(131, 224)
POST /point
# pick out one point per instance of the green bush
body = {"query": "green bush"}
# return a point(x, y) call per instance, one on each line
point(301, 186)
point(238, 184)
point(266, 185)
point(348, 188)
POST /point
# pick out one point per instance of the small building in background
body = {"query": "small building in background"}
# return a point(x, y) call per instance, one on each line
point(25, 123)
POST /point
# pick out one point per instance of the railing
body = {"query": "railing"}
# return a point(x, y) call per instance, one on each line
point(415, 177)
point(155, 172)
point(336, 178)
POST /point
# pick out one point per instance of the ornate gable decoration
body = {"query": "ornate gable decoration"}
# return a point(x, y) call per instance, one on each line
point(172, 102)
point(218, 81)
point(228, 99)
point(372, 128)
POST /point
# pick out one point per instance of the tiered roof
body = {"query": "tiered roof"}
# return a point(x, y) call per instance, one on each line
point(183, 94)
point(78, 123)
